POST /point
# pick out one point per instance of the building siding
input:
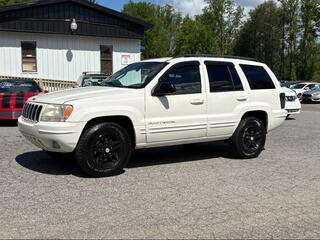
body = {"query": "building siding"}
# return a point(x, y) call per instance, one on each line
point(52, 51)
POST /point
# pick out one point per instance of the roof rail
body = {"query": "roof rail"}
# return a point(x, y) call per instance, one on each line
point(218, 56)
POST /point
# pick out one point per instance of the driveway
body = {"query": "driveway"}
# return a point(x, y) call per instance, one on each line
point(191, 191)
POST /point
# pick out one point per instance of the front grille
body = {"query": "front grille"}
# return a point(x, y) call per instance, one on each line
point(307, 95)
point(32, 112)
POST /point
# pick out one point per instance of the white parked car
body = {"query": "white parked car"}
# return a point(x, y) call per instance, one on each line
point(293, 105)
point(158, 102)
point(301, 88)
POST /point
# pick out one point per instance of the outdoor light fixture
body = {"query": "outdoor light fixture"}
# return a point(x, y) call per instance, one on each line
point(74, 25)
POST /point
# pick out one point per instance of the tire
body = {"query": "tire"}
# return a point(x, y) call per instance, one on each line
point(249, 139)
point(104, 150)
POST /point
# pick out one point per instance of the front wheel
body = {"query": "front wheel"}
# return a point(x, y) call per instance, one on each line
point(249, 139)
point(104, 150)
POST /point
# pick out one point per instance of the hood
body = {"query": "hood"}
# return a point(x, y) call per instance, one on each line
point(83, 93)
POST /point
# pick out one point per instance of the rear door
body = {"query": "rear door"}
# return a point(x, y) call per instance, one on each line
point(225, 98)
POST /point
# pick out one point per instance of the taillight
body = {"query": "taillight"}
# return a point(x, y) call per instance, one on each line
point(283, 100)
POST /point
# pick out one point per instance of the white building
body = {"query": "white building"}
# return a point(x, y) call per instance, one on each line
point(61, 39)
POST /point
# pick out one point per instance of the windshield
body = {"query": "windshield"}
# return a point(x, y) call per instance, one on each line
point(13, 86)
point(135, 75)
point(298, 86)
point(93, 80)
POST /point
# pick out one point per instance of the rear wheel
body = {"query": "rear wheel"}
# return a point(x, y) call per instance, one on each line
point(104, 149)
point(249, 139)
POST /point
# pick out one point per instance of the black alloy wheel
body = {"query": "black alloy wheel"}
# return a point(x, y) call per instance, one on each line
point(249, 139)
point(104, 150)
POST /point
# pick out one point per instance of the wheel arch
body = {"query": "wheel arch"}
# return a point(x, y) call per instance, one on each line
point(122, 120)
point(260, 114)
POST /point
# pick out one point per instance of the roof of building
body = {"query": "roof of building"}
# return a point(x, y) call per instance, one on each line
point(35, 3)
point(52, 16)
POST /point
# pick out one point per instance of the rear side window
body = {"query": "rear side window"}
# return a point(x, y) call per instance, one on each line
point(223, 77)
point(257, 77)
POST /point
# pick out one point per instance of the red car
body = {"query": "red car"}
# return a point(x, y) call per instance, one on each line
point(14, 94)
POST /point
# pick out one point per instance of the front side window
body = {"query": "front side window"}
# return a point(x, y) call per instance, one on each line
point(29, 56)
point(185, 77)
point(135, 75)
point(257, 77)
point(223, 77)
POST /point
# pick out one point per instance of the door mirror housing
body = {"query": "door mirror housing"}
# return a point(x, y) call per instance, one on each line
point(162, 89)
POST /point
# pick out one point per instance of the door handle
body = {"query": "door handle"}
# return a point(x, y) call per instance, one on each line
point(242, 98)
point(197, 101)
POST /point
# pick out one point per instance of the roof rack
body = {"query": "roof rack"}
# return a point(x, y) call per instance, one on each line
point(218, 56)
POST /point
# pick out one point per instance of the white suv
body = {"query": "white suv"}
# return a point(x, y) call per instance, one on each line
point(158, 102)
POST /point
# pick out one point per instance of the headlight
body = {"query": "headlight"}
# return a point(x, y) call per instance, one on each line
point(316, 94)
point(56, 113)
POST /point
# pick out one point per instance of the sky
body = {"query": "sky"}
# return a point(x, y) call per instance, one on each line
point(190, 7)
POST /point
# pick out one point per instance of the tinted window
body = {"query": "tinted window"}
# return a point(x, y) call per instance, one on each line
point(185, 78)
point(12, 86)
point(311, 86)
point(236, 79)
point(223, 78)
point(300, 85)
point(257, 77)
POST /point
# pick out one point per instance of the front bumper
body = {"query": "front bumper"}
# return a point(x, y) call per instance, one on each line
point(54, 137)
point(293, 107)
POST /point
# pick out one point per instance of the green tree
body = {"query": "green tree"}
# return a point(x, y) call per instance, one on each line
point(260, 36)
point(223, 17)
point(194, 37)
point(308, 46)
point(160, 40)
point(5, 2)
point(290, 11)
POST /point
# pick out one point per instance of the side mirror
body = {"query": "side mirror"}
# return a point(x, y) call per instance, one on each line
point(162, 89)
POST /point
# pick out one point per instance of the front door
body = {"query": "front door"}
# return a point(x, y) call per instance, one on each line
point(181, 115)
point(106, 53)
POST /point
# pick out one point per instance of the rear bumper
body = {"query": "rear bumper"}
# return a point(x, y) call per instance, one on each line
point(277, 118)
point(54, 137)
point(10, 115)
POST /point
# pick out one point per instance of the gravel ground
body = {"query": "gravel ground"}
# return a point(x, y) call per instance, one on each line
point(192, 191)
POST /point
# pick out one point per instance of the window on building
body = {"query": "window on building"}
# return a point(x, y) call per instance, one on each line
point(106, 53)
point(185, 77)
point(29, 56)
point(258, 77)
point(223, 77)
